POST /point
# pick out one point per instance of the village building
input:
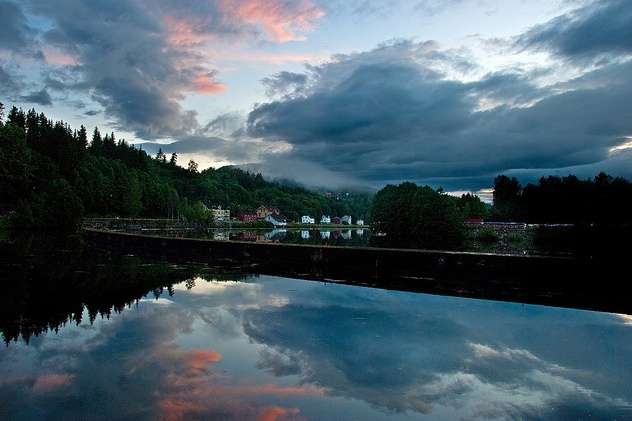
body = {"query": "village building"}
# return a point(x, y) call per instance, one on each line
point(360, 222)
point(264, 211)
point(307, 220)
point(347, 220)
point(335, 220)
point(248, 217)
point(325, 220)
point(220, 214)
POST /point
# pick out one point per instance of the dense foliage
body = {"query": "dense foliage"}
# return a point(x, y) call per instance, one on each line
point(599, 212)
point(566, 200)
point(52, 175)
point(418, 217)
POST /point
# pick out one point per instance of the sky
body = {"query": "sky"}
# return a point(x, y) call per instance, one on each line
point(338, 93)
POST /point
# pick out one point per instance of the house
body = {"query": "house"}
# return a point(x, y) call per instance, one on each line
point(336, 220)
point(248, 217)
point(307, 220)
point(360, 222)
point(220, 214)
point(346, 220)
point(264, 211)
point(325, 220)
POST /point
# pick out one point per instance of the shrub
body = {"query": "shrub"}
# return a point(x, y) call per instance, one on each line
point(487, 235)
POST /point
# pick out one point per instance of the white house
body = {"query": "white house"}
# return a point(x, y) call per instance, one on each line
point(325, 220)
point(307, 220)
point(346, 220)
point(360, 222)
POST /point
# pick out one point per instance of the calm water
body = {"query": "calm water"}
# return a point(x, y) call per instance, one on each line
point(93, 337)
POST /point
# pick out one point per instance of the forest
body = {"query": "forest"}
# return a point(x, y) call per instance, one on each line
point(564, 200)
point(52, 175)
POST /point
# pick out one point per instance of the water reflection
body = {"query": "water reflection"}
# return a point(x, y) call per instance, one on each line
point(118, 337)
point(338, 237)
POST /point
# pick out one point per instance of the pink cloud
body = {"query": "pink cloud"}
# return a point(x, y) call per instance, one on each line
point(204, 83)
point(279, 19)
point(49, 382)
point(277, 413)
point(200, 359)
point(56, 57)
point(185, 33)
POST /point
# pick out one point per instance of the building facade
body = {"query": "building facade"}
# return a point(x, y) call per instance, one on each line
point(220, 214)
point(264, 211)
point(347, 220)
point(325, 220)
point(307, 220)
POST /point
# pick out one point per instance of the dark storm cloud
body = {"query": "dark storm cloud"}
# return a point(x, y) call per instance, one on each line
point(139, 58)
point(391, 114)
point(127, 60)
point(601, 28)
point(14, 31)
point(38, 97)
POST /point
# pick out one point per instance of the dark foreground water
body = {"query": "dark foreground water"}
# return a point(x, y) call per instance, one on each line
point(106, 337)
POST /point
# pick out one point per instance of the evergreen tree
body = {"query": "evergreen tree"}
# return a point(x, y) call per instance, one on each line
point(96, 146)
point(160, 156)
point(17, 117)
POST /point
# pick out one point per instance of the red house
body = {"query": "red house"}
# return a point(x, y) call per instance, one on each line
point(248, 217)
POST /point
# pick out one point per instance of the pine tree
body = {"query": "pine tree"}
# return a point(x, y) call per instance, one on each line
point(17, 117)
point(97, 142)
point(160, 156)
point(82, 138)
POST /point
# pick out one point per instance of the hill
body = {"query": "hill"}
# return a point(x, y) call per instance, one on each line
point(51, 175)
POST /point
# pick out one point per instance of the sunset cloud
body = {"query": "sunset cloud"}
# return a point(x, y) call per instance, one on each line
point(281, 20)
point(50, 382)
point(277, 413)
point(185, 33)
point(205, 84)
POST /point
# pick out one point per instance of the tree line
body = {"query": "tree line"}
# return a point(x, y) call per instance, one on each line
point(564, 200)
point(52, 175)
